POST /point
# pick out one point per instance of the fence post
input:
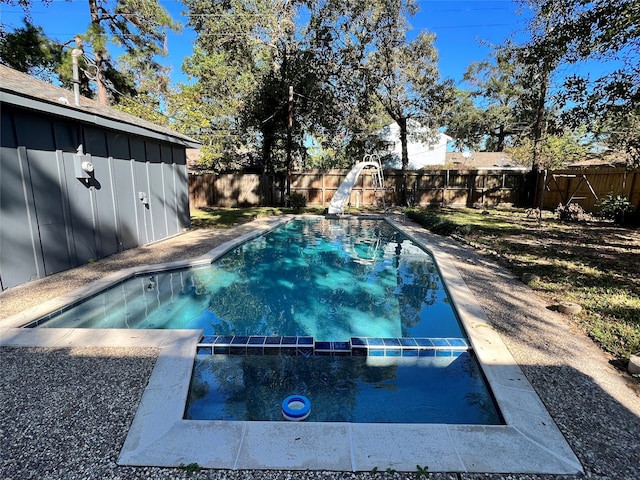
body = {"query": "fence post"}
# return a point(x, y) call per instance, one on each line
point(471, 178)
point(544, 187)
point(633, 184)
point(446, 188)
point(323, 189)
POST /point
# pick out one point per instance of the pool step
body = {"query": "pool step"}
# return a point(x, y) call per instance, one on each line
point(308, 346)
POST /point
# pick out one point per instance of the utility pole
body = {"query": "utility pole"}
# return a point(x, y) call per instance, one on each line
point(75, 54)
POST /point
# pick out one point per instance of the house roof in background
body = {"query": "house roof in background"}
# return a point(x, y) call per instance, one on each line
point(22, 90)
point(611, 160)
point(478, 160)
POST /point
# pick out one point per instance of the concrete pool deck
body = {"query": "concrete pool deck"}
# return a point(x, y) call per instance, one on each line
point(529, 443)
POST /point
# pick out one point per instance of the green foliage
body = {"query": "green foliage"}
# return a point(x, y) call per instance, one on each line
point(422, 471)
point(616, 208)
point(139, 28)
point(250, 52)
point(574, 31)
point(375, 72)
point(403, 75)
point(622, 335)
point(435, 223)
point(190, 468)
point(197, 115)
point(136, 26)
point(297, 201)
point(29, 50)
point(142, 106)
point(500, 87)
point(554, 151)
point(579, 262)
point(467, 123)
point(206, 217)
point(247, 56)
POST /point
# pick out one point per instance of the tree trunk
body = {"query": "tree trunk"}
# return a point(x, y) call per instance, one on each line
point(402, 123)
point(267, 145)
point(501, 136)
point(536, 165)
point(100, 53)
point(101, 82)
point(289, 139)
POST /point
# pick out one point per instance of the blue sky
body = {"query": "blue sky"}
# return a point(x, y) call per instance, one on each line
point(460, 27)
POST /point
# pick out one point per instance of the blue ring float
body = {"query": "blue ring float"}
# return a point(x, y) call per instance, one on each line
point(296, 408)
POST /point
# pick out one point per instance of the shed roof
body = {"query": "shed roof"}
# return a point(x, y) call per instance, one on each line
point(17, 88)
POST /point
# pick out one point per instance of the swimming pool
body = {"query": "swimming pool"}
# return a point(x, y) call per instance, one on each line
point(312, 288)
point(528, 440)
point(325, 278)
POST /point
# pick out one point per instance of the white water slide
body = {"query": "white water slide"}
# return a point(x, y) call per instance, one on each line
point(344, 190)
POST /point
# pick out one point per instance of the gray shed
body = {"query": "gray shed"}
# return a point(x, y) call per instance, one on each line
point(81, 182)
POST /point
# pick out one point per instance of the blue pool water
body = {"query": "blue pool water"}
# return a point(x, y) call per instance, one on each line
point(329, 279)
point(342, 389)
point(350, 313)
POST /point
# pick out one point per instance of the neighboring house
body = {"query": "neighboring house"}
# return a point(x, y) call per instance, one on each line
point(482, 160)
point(614, 160)
point(81, 182)
point(422, 153)
point(193, 159)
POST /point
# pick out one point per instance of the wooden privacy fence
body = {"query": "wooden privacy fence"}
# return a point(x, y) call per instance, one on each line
point(433, 187)
point(233, 190)
point(586, 187)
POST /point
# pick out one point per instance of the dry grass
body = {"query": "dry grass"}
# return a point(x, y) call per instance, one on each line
point(594, 264)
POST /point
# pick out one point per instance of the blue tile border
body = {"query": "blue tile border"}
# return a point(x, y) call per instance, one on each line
point(306, 346)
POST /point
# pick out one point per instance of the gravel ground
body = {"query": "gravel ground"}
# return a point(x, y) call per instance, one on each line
point(65, 412)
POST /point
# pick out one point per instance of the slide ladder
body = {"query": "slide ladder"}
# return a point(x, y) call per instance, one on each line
point(344, 190)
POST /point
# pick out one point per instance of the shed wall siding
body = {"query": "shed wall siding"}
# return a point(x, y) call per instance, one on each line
point(52, 221)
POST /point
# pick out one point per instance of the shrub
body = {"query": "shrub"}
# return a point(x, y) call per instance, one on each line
point(615, 208)
point(572, 212)
point(297, 201)
point(433, 222)
point(191, 468)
